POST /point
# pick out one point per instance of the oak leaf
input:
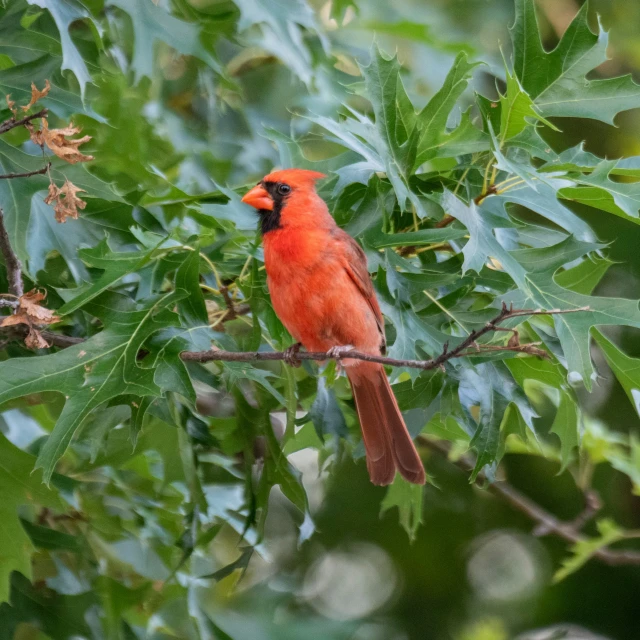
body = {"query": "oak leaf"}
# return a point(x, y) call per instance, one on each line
point(30, 311)
point(36, 94)
point(33, 314)
point(34, 340)
point(57, 141)
point(11, 104)
point(65, 199)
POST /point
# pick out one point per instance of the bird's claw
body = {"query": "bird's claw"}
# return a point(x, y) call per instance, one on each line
point(338, 353)
point(291, 355)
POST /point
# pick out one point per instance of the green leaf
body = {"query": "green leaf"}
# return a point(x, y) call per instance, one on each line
point(282, 29)
point(47, 538)
point(542, 291)
point(565, 426)
point(378, 240)
point(242, 215)
point(58, 616)
point(577, 159)
point(241, 563)
point(192, 308)
point(483, 392)
point(554, 256)
point(16, 195)
point(584, 277)
point(411, 330)
point(115, 265)
point(482, 243)
point(278, 470)
point(556, 80)
point(418, 393)
point(625, 369)
point(152, 23)
point(544, 201)
point(395, 123)
point(64, 13)
point(517, 110)
point(236, 371)
point(19, 487)
point(64, 103)
point(582, 551)
point(432, 120)
point(407, 498)
point(91, 373)
point(325, 412)
point(464, 139)
point(599, 191)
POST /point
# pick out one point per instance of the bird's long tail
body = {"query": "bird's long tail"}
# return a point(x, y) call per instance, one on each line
point(387, 442)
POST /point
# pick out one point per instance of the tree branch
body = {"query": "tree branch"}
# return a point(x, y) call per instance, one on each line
point(466, 348)
point(546, 523)
point(12, 123)
point(463, 349)
point(28, 174)
point(12, 264)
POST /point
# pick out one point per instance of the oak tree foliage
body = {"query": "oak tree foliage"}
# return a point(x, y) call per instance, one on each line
point(133, 463)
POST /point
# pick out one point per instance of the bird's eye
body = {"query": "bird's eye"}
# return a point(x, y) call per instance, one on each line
point(284, 189)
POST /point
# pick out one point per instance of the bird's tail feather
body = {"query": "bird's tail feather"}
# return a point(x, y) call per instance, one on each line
point(387, 442)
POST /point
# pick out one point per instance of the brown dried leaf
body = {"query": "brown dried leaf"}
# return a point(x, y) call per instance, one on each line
point(57, 141)
point(66, 201)
point(30, 304)
point(16, 318)
point(53, 193)
point(30, 312)
point(36, 94)
point(34, 340)
point(11, 104)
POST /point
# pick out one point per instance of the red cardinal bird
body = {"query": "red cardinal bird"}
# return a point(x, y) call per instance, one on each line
point(321, 290)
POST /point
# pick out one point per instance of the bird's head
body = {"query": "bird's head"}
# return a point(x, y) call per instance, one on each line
point(286, 197)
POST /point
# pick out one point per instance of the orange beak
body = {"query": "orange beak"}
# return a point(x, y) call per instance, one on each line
point(259, 198)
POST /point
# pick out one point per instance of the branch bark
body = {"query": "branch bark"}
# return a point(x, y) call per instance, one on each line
point(12, 123)
point(28, 174)
point(546, 523)
point(466, 347)
point(12, 264)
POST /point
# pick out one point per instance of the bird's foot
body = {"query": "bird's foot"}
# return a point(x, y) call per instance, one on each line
point(339, 352)
point(291, 355)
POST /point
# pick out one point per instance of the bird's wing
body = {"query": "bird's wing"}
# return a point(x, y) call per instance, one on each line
point(355, 264)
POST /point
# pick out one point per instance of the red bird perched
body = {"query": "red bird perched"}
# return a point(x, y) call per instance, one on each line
point(321, 290)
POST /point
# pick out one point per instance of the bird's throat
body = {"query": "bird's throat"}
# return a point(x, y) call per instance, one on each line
point(270, 220)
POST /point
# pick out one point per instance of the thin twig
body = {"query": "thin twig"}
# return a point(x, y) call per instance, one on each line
point(231, 309)
point(12, 123)
point(28, 174)
point(467, 347)
point(458, 351)
point(489, 191)
point(546, 522)
point(11, 262)
point(5, 302)
point(593, 504)
point(445, 222)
